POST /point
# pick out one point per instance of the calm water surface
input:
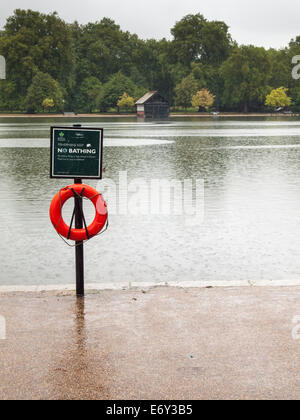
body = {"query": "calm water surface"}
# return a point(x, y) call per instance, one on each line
point(251, 228)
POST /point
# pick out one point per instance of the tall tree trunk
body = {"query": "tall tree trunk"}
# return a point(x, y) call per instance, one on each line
point(246, 108)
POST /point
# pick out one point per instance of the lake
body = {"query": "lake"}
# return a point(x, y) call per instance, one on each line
point(250, 231)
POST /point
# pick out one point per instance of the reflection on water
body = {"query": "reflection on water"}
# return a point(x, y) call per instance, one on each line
point(252, 202)
point(80, 325)
point(77, 372)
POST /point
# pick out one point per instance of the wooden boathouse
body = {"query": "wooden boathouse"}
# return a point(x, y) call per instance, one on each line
point(152, 105)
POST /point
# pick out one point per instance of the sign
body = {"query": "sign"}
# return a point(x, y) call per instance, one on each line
point(76, 152)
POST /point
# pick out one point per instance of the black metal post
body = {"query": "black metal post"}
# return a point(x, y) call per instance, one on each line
point(79, 258)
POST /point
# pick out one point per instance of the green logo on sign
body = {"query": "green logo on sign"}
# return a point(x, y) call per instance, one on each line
point(61, 134)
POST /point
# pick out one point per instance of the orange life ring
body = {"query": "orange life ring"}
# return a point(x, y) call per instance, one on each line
point(78, 234)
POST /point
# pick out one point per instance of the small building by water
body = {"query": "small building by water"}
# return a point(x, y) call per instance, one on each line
point(153, 105)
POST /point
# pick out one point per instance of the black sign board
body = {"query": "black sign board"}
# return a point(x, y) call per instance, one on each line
point(76, 152)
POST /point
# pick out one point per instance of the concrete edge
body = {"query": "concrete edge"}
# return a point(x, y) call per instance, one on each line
point(147, 285)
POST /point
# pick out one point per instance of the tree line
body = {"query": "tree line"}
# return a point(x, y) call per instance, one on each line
point(54, 65)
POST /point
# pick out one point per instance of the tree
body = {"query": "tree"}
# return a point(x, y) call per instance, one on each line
point(203, 99)
point(187, 35)
point(146, 66)
point(246, 74)
point(88, 94)
point(34, 42)
point(114, 89)
point(43, 86)
point(278, 98)
point(280, 74)
point(196, 39)
point(185, 90)
point(8, 91)
point(217, 43)
point(103, 49)
point(208, 76)
point(94, 64)
point(48, 103)
point(125, 101)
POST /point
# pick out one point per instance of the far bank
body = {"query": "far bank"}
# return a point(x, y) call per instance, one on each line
point(172, 115)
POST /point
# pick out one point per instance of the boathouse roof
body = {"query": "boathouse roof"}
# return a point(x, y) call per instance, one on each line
point(146, 97)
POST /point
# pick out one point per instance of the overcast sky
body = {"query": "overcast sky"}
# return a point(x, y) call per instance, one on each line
point(268, 23)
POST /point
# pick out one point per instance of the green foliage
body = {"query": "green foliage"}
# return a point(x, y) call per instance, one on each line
point(278, 98)
point(280, 74)
point(217, 43)
point(8, 93)
point(185, 90)
point(187, 35)
point(246, 75)
point(88, 94)
point(114, 89)
point(33, 42)
point(94, 64)
point(43, 86)
point(101, 50)
point(208, 76)
point(196, 39)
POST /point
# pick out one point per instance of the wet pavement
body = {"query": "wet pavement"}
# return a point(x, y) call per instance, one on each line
point(161, 343)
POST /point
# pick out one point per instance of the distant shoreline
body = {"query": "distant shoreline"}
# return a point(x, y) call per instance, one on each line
point(172, 115)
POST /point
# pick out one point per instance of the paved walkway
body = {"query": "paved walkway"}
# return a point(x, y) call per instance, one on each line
point(163, 343)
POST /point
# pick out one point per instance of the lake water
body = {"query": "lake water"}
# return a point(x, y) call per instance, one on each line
point(251, 226)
